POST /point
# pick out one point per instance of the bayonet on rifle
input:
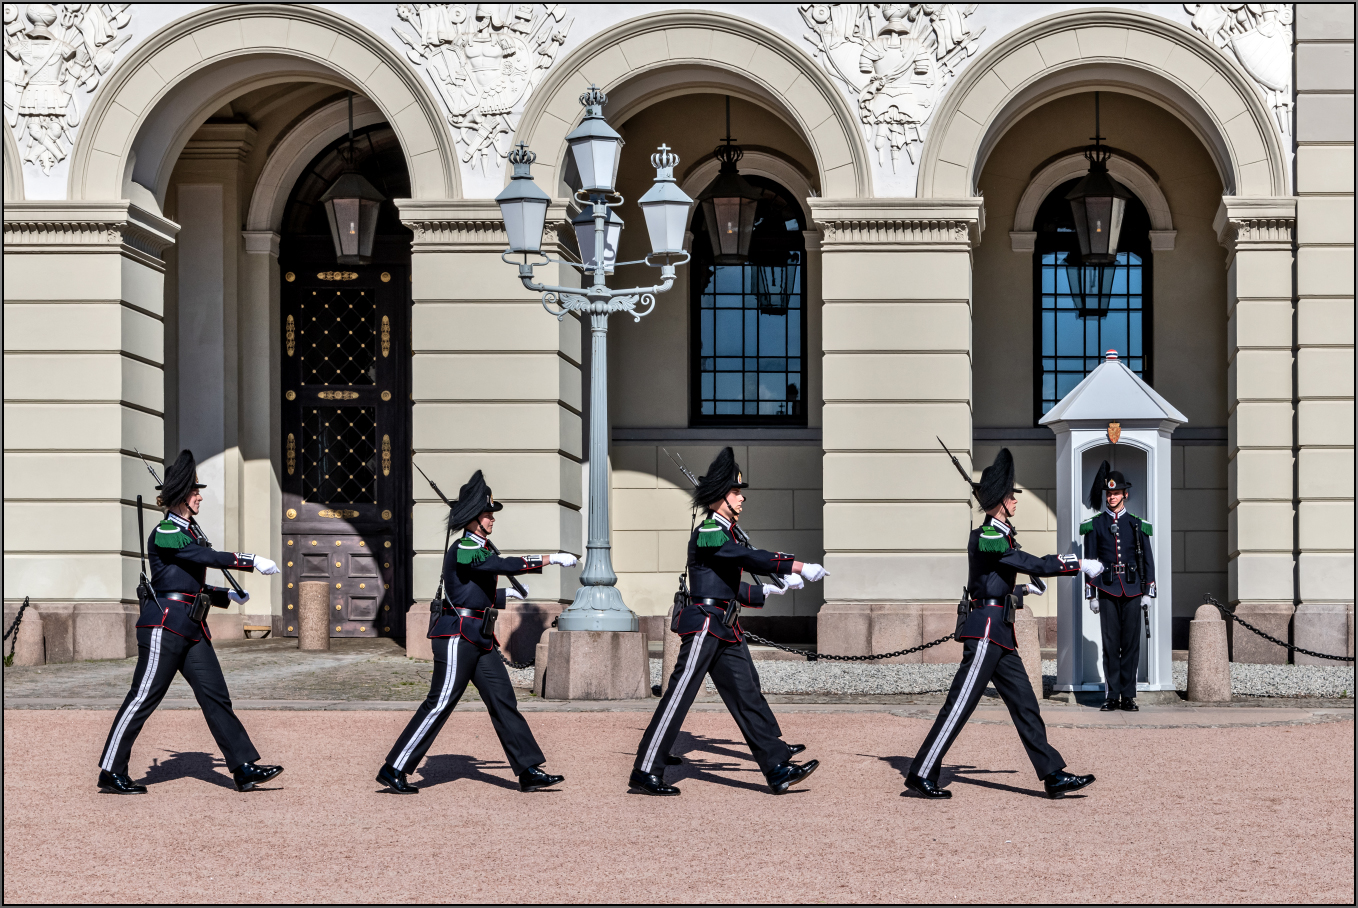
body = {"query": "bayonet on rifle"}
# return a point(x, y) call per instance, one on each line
point(966, 477)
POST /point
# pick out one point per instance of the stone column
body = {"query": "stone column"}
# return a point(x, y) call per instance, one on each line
point(495, 387)
point(1260, 538)
point(84, 386)
point(896, 280)
point(1325, 403)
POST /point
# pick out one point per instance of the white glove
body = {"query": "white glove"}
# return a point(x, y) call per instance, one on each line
point(773, 589)
point(1151, 591)
point(813, 572)
point(1094, 606)
point(265, 566)
point(238, 598)
point(794, 581)
point(1032, 589)
point(565, 559)
point(1092, 567)
point(512, 593)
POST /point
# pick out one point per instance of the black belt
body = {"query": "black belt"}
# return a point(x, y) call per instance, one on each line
point(470, 613)
point(719, 603)
point(186, 598)
point(999, 602)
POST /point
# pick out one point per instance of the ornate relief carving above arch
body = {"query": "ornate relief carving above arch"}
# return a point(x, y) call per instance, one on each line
point(1117, 50)
point(783, 73)
point(1072, 166)
point(323, 46)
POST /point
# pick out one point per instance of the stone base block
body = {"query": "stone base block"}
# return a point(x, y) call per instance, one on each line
point(937, 619)
point(869, 628)
point(1209, 668)
point(1270, 617)
point(597, 665)
point(418, 646)
point(58, 627)
point(1323, 627)
point(1029, 647)
point(520, 625)
point(542, 653)
point(28, 646)
point(102, 630)
point(225, 626)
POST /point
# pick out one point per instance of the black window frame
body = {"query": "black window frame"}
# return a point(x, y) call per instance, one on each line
point(1054, 214)
point(777, 207)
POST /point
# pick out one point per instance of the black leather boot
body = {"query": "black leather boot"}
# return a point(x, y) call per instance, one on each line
point(1129, 705)
point(117, 783)
point(651, 783)
point(785, 775)
point(926, 788)
point(396, 781)
point(1063, 783)
point(1110, 704)
point(248, 775)
point(796, 748)
point(532, 778)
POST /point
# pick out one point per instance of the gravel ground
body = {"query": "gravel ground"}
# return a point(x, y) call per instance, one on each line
point(920, 678)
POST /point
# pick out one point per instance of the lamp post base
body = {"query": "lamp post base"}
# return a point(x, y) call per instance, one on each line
point(596, 665)
point(598, 608)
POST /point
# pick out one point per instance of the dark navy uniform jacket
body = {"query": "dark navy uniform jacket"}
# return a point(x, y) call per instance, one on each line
point(470, 571)
point(179, 555)
point(1117, 551)
point(715, 562)
point(994, 561)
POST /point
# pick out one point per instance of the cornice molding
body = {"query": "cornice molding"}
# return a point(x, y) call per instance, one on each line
point(1256, 224)
point(61, 226)
point(893, 223)
point(220, 142)
point(470, 225)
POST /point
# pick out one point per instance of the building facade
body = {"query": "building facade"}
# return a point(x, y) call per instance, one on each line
point(170, 282)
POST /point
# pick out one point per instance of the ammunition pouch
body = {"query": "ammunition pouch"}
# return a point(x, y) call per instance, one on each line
point(199, 609)
point(963, 609)
point(1011, 605)
point(488, 623)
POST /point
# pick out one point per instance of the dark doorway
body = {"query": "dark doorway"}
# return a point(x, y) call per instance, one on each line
point(345, 381)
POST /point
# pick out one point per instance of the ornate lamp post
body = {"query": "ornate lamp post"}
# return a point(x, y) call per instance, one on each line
point(598, 605)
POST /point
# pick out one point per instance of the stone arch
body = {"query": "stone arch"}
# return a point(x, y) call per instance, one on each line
point(195, 62)
point(1117, 50)
point(14, 169)
point(757, 163)
point(1071, 166)
point(741, 57)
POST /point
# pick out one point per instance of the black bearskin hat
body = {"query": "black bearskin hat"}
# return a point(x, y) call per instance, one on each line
point(1106, 480)
point(723, 475)
point(997, 481)
point(473, 500)
point(181, 478)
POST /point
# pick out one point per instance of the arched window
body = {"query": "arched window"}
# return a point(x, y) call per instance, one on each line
point(1071, 335)
point(749, 321)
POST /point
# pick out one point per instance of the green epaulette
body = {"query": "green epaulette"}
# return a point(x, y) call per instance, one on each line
point(170, 536)
point(1145, 525)
point(468, 552)
point(711, 535)
point(992, 540)
point(1087, 527)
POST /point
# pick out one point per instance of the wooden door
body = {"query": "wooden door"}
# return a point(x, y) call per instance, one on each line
point(346, 426)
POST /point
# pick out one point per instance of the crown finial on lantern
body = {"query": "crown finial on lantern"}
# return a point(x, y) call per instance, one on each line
point(522, 159)
point(664, 161)
point(593, 101)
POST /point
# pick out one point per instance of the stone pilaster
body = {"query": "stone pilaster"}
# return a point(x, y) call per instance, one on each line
point(1258, 234)
point(496, 386)
point(84, 386)
point(1324, 331)
point(896, 280)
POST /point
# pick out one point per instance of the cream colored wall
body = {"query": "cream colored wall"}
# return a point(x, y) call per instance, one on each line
point(1188, 328)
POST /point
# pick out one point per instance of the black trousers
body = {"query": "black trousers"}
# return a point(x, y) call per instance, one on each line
point(161, 653)
point(984, 661)
point(456, 662)
point(733, 673)
point(754, 678)
point(1120, 621)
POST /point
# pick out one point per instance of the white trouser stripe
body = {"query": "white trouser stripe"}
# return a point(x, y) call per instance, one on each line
point(434, 713)
point(152, 663)
point(668, 716)
point(958, 707)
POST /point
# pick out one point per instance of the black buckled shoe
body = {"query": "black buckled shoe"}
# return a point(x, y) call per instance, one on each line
point(532, 778)
point(394, 780)
point(1129, 705)
point(672, 760)
point(1063, 783)
point(1111, 704)
point(651, 783)
point(785, 775)
point(119, 784)
point(796, 748)
point(926, 788)
point(248, 775)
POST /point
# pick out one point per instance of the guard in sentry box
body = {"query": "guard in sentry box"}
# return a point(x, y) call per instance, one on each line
point(172, 636)
point(461, 626)
point(713, 641)
point(989, 651)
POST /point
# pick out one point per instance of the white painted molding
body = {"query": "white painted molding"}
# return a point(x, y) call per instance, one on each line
point(1072, 166)
point(261, 242)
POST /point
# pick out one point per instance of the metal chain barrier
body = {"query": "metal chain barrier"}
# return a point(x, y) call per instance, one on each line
point(510, 662)
point(813, 657)
point(9, 659)
point(1229, 615)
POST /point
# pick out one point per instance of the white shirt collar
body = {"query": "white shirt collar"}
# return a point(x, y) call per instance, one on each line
point(1114, 514)
point(479, 540)
point(1000, 525)
point(177, 520)
point(725, 524)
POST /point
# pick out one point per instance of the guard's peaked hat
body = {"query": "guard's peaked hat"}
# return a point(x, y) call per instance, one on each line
point(181, 478)
point(1106, 480)
point(997, 481)
point(723, 475)
point(473, 500)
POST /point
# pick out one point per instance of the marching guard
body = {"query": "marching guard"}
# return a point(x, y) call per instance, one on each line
point(461, 625)
point(989, 652)
point(1121, 541)
point(713, 642)
point(172, 636)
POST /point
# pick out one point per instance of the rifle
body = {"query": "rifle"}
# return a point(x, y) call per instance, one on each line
point(513, 581)
point(737, 531)
point(194, 522)
point(144, 589)
point(1140, 551)
point(966, 477)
